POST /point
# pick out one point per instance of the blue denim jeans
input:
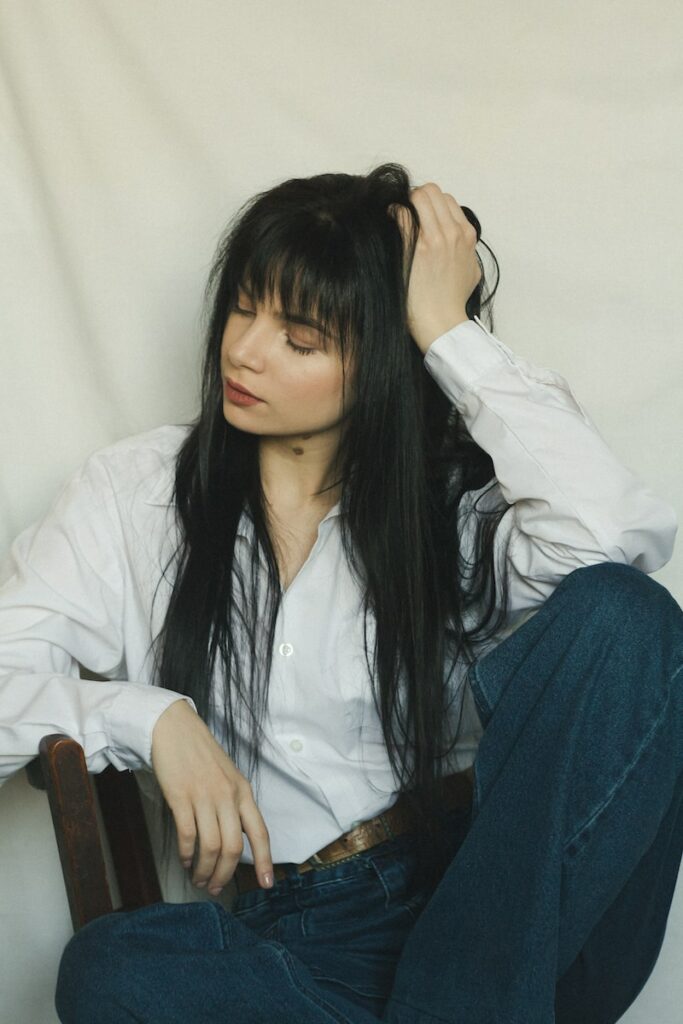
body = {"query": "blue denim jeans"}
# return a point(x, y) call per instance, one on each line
point(553, 907)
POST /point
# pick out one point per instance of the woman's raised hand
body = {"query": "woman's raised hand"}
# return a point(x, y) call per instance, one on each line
point(210, 799)
point(445, 270)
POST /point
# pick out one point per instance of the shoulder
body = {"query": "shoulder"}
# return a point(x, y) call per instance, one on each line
point(144, 460)
point(138, 468)
point(115, 508)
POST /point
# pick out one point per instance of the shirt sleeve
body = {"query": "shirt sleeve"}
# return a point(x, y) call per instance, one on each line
point(62, 605)
point(573, 503)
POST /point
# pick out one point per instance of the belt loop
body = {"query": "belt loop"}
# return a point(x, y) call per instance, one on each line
point(387, 827)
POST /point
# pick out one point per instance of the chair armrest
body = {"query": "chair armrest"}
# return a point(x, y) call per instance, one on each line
point(72, 805)
point(61, 770)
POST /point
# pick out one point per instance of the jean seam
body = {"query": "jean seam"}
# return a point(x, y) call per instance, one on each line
point(223, 924)
point(484, 709)
point(416, 1009)
point(290, 967)
point(380, 878)
point(647, 739)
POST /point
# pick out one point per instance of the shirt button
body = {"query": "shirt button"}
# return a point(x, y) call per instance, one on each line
point(286, 649)
point(296, 744)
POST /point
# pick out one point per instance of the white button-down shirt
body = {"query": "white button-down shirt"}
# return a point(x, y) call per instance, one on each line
point(78, 589)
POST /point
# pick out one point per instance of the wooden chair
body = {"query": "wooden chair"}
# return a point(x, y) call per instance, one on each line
point(61, 770)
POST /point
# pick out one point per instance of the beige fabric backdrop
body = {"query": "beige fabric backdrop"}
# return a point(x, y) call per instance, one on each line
point(131, 130)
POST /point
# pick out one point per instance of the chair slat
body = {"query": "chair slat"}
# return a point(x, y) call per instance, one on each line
point(129, 841)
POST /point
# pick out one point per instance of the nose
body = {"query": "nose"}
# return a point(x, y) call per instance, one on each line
point(249, 345)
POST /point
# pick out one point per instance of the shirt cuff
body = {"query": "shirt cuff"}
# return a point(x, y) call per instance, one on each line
point(130, 723)
point(458, 358)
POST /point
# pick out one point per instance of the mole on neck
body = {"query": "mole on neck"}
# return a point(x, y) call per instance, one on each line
point(297, 449)
point(280, 476)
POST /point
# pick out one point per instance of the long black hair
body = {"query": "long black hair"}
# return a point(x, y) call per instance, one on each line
point(327, 246)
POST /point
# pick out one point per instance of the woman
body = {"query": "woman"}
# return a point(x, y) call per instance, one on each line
point(320, 582)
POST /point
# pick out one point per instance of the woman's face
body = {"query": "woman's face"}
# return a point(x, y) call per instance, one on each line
point(288, 366)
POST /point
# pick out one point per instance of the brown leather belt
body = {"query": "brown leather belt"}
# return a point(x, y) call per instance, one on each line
point(394, 822)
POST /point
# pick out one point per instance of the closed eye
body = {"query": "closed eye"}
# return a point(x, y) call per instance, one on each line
point(297, 348)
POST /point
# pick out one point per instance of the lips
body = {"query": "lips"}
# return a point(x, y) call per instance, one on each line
point(238, 387)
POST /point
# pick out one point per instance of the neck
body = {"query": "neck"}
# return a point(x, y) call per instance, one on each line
point(293, 469)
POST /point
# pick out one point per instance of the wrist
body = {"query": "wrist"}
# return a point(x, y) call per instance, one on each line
point(427, 334)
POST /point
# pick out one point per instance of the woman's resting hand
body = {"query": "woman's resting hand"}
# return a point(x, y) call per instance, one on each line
point(209, 797)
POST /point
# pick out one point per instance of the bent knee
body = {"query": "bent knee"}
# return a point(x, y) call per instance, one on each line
point(91, 968)
point(624, 592)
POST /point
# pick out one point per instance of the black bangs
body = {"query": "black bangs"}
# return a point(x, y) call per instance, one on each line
point(305, 270)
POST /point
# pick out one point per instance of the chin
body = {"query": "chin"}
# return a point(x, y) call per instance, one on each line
point(229, 415)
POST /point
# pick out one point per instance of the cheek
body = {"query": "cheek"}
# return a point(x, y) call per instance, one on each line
point(312, 387)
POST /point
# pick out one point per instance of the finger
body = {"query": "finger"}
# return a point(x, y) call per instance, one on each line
point(259, 839)
point(232, 845)
point(210, 843)
point(186, 831)
point(421, 198)
point(456, 211)
point(441, 211)
point(250, 821)
point(401, 215)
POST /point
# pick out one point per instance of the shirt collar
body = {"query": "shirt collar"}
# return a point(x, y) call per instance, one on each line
point(245, 526)
point(161, 493)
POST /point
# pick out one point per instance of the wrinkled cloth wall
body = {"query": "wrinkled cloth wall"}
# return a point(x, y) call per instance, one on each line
point(132, 132)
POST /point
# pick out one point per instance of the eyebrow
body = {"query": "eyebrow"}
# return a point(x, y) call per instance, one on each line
point(293, 318)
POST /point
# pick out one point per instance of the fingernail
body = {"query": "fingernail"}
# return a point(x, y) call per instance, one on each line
point(200, 885)
point(187, 863)
point(268, 880)
point(217, 889)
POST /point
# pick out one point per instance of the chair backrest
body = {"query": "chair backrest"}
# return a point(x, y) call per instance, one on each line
point(61, 770)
